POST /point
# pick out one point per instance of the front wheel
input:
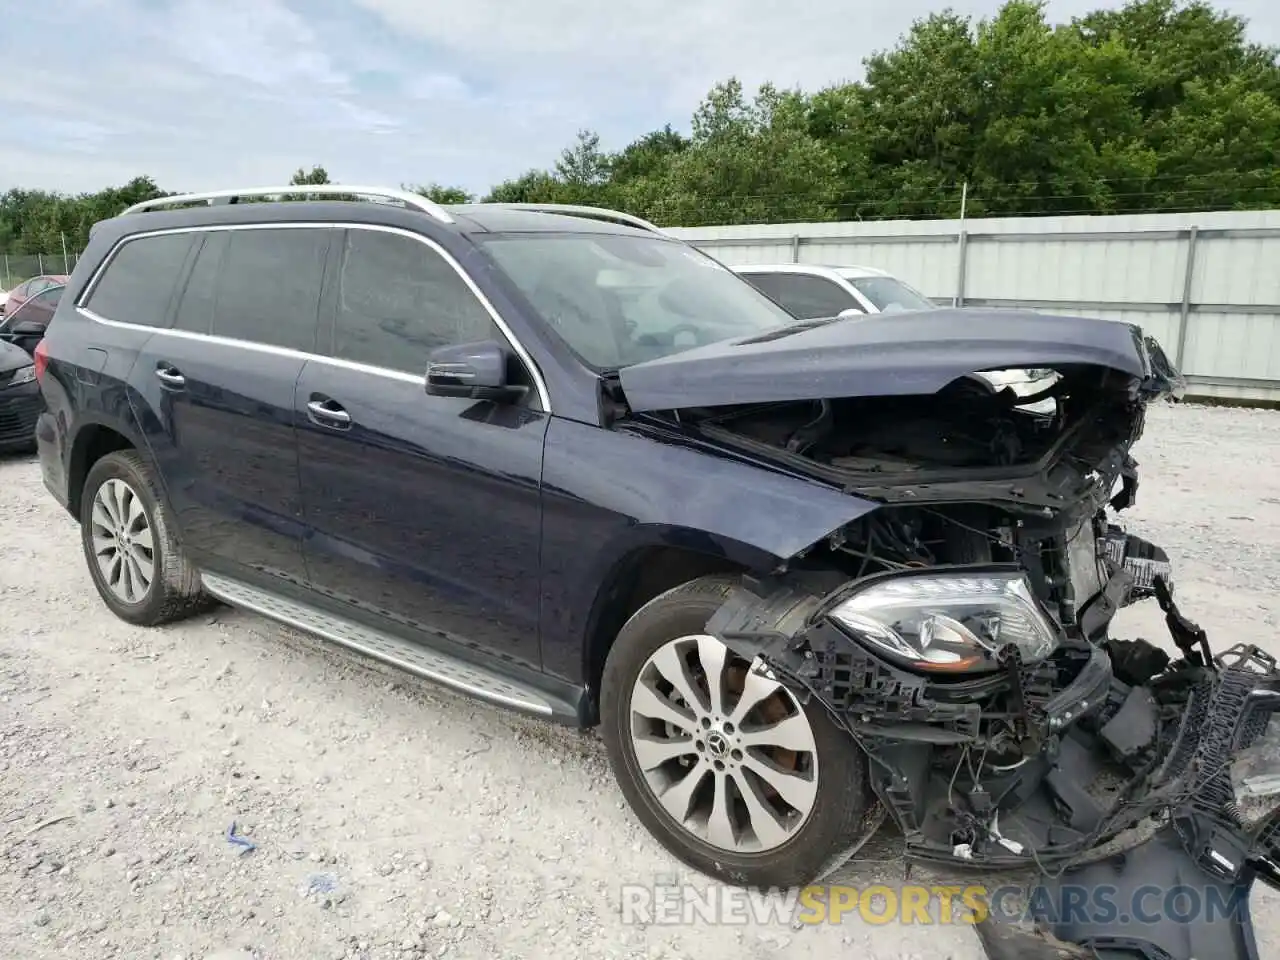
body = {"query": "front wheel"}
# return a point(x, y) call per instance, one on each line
point(726, 767)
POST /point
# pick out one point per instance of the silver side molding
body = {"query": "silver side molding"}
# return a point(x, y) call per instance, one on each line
point(411, 657)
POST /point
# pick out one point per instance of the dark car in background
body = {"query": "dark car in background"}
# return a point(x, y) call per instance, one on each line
point(20, 401)
point(804, 575)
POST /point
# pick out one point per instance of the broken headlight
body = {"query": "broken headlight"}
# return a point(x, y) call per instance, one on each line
point(953, 623)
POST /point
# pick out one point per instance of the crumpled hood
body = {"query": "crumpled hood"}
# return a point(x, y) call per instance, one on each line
point(889, 355)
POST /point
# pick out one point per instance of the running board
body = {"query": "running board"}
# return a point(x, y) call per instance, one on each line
point(408, 656)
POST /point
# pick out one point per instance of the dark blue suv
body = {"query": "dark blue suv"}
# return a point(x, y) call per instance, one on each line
point(803, 574)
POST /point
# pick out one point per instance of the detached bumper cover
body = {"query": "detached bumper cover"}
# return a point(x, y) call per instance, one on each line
point(1068, 923)
point(1211, 847)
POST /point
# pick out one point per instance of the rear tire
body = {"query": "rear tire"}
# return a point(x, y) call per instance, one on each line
point(808, 801)
point(127, 535)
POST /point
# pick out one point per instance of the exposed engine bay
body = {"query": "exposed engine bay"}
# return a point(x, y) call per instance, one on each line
point(887, 447)
point(966, 425)
point(960, 631)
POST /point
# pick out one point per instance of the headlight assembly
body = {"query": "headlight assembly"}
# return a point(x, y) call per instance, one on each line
point(24, 375)
point(949, 622)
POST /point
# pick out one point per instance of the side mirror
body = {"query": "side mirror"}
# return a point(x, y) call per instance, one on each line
point(473, 371)
point(849, 312)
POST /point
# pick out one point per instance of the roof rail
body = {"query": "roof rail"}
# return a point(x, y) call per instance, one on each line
point(575, 210)
point(413, 201)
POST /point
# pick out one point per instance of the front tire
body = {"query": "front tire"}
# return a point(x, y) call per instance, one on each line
point(129, 546)
point(731, 773)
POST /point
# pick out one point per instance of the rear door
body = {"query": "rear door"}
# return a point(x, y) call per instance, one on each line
point(218, 392)
point(424, 511)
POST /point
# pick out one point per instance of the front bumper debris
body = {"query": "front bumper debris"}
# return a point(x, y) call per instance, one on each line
point(1054, 762)
point(1063, 926)
point(1184, 892)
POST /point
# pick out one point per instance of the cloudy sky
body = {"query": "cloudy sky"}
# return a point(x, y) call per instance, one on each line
point(203, 94)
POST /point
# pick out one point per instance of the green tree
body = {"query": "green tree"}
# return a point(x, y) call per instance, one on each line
point(316, 176)
point(441, 194)
point(648, 156)
point(749, 161)
point(534, 186)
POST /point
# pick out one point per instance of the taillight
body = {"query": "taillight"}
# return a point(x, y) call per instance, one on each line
point(42, 360)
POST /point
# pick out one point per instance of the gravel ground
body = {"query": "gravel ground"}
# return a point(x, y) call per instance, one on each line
point(396, 821)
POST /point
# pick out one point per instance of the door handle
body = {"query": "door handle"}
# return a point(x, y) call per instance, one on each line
point(170, 377)
point(328, 413)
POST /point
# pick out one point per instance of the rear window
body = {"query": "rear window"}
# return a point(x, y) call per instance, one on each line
point(890, 295)
point(268, 286)
point(138, 282)
point(804, 296)
point(195, 309)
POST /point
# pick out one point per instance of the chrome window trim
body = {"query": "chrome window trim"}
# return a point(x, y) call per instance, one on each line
point(544, 398)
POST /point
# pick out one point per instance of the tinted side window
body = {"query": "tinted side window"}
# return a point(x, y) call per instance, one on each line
point(195, 311)
point(398, 299)
point(268, 290)
point(139, 280)
point(808, 298)
point(48, 296)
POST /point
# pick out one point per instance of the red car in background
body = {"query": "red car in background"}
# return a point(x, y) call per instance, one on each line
point(25, 324)
point(28, 289)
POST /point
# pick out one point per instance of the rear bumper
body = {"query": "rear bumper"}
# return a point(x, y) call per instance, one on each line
point(20, 407)
point(52, 464)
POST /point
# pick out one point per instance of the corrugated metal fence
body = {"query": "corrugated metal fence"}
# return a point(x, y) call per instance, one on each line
point(1206, 285)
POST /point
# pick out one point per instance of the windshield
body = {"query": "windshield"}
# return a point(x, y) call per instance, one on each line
point(618, 299)
point(890, 295)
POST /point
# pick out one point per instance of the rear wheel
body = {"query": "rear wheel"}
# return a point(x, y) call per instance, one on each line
point(128, 541)
point(726, 767)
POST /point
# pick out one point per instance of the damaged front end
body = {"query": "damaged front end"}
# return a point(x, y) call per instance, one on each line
point(960, 632)
point(1039, 748)
point(1105, 764)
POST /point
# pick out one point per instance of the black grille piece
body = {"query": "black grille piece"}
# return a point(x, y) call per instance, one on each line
point(855, 683)
point(18, 419)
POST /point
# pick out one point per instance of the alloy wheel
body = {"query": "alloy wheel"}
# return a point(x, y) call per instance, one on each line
point(728, 753)
point(123, 545)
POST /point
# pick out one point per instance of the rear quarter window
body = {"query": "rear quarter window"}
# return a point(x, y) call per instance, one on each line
point(139, 280)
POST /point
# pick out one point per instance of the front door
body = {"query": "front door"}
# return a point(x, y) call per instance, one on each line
point(424, 512)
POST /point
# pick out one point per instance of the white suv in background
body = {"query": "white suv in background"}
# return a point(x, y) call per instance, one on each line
point(812, 291)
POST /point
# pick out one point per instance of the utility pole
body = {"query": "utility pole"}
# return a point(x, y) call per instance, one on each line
point(962, 248)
